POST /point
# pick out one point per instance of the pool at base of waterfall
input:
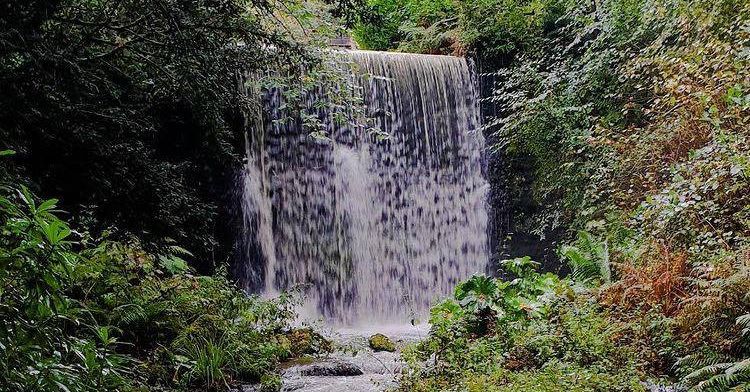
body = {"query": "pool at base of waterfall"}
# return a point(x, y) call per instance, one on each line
point(353, 366)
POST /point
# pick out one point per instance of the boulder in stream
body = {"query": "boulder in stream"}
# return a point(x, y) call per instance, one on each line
point(380, 342)
point(305, 341)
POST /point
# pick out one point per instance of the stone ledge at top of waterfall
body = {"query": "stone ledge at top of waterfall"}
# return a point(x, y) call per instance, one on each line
point(406, 54)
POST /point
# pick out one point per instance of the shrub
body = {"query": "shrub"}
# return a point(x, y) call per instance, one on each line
point(528, 333)
point(88, 315)
point(658, 279)
point(49, 340)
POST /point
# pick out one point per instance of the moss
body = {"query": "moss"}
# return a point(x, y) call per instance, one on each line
point(305, 341)
point(270, 383)
point(380, 342)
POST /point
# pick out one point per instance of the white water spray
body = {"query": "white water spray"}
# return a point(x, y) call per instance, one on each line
point(378, 230)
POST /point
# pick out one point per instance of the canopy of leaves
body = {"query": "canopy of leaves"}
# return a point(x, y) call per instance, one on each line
point(133, 112)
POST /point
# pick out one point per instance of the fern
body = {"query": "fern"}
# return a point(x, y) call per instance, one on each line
point(724, 382)
point(588, 259)
point(744, 323)
point(130, 315)
point(718, 373)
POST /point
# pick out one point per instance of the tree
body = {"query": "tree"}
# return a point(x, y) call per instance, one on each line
point(130, 111)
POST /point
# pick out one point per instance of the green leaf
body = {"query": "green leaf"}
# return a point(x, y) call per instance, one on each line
point(47, 205)
point(55, 231)
point(173, 264)
point(27, 198)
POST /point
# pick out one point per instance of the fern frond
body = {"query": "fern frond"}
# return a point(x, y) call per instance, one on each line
point(700, 377)
point(744, 387)
point(744, 323)
point(690, 365)
point(128, 314)
point(178, 250)
point(583, 269)
point(723, 382)
point(588, 259)
point(741, 367)
point(716, 377)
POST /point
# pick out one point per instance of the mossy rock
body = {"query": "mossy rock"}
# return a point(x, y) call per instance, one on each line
point(380, 342)
point(270, 383)
point(305, 341)
point(283, 346)
point(299, 361)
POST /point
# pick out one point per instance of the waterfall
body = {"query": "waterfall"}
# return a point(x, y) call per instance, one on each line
point(376, 229)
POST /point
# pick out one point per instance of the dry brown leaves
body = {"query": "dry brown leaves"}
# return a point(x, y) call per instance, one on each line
point(658, 280)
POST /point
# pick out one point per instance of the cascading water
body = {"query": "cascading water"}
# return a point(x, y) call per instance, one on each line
point(377, 229)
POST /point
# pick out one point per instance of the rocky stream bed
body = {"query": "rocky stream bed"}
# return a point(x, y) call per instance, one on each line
point(353, 366)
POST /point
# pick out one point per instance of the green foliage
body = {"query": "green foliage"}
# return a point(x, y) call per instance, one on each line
point(382, 30)
point(507, 27)
point(130, 111)
point(553, 377)
point(494, 28)
point(270, 383)
point(49, 340)
point(714, 372)
point(89, 315)
point(588, 259)
point(536, 334)
point(485, 301)
point(413, 26)
point(709, 368)
point(704, 206)
point(205, 361)
point(479, 293)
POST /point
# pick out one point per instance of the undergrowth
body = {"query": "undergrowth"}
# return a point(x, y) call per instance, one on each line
point(625, 126)
point(89, 314)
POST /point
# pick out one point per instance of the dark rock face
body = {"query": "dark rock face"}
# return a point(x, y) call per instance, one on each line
point(510, 178)
point(327, 368)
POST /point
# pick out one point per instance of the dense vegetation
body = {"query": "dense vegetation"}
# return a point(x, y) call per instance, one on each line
point(625, 122)
point(134, 114)
point(88, 314)
point(130, 111)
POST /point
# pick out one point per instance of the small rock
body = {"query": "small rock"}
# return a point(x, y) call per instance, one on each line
point(246, 388)
point(380, 342)
point(652, 387)
point(330, 367)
